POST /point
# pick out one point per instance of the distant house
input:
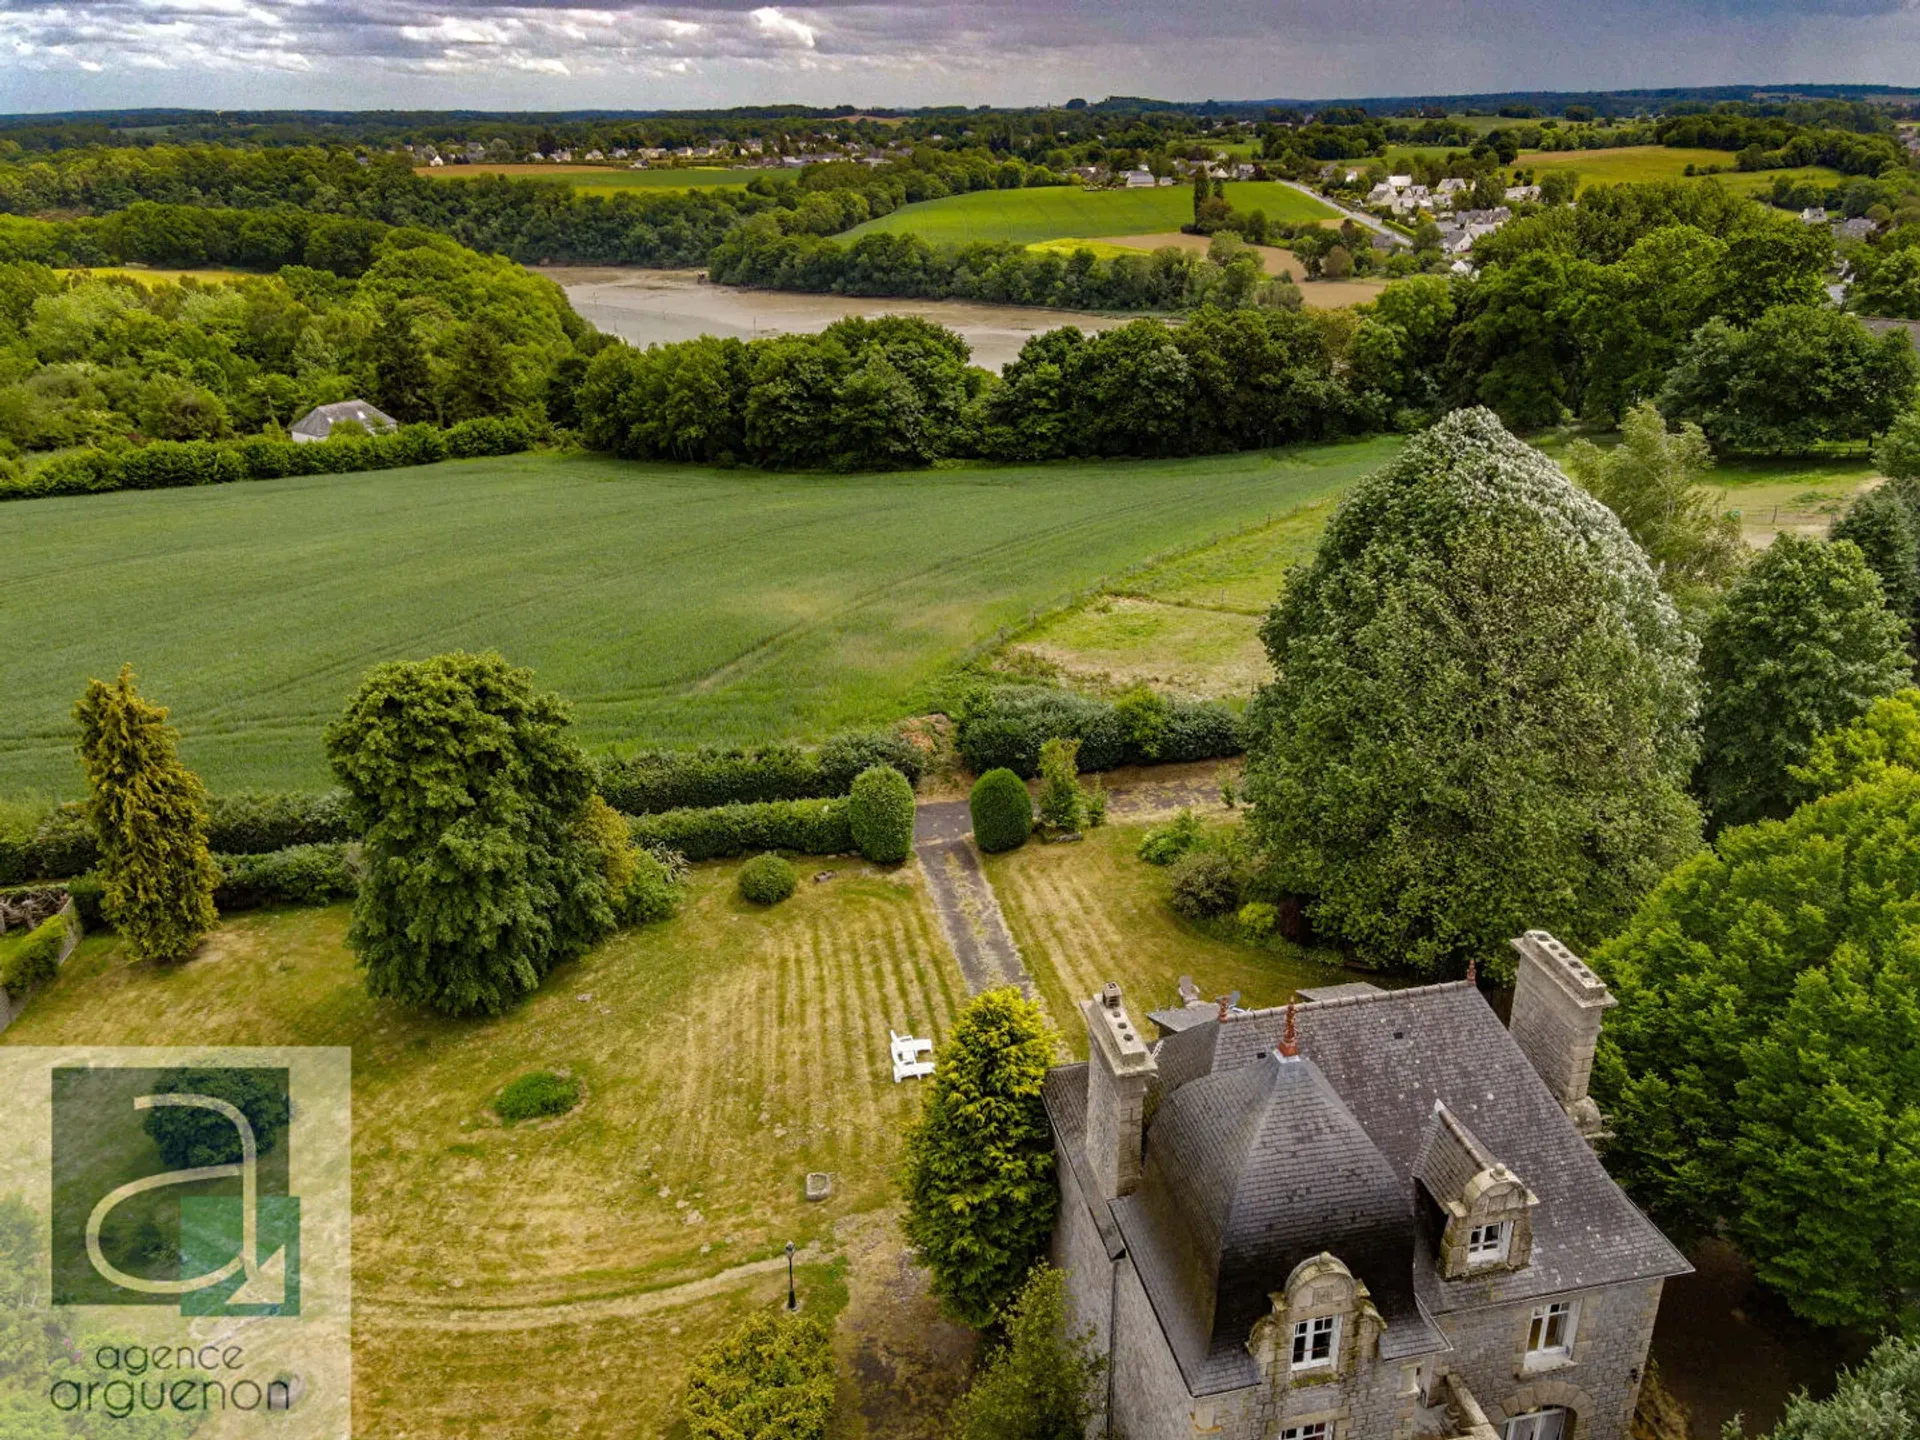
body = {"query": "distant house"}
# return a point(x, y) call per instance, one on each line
point(1517, 193)
point(1139, 179)
point(1400, 182)
point(1814, 215)
point(1453, 185)
point(318, 423)
point(1858, 228)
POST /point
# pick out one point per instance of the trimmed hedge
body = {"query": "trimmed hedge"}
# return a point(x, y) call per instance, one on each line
point(1002, 811)
point(656, 781)
point(168, 464)
point(89, 896)
point(62, 843)
point(804, 827)
point(766, 880)
point(1007, 726)
point(299, 875)
point(33, 959)
point(880, 815)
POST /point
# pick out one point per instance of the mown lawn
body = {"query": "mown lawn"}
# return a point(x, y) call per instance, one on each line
point(555, 1278)
point(1068, 212)
point(1089, 913)
point(671, 604)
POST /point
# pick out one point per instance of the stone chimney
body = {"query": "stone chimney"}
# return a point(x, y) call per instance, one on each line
point(1119, 1070)
point(1558, 1004)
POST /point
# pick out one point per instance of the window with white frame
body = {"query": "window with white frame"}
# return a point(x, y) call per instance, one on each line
point(1487, 1244)
point(1312, 1430)
point(1541, 1425)
point(1550, 1336)
point(1313, 1341)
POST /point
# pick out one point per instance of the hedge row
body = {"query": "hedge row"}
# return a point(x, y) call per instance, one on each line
point(62, 843)
point(33, 960)
point(649, 783)
point(298, 875)
point(167, 464)
point(806, 827)
point(1006, 728)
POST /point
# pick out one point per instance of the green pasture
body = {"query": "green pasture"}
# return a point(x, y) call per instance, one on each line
point(1639, 163)
point(1068, 212)
point(671, 604)
point(606, 179)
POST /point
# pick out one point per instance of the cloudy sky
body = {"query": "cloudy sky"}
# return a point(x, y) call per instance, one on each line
point(498, 54)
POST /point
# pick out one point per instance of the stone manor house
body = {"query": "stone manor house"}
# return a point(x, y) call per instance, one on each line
point(1377, 1215)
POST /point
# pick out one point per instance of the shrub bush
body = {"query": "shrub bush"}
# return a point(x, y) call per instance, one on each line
point(1007, 725)
point(256, 824)
point(169, 463)
point(535, 1095)
point(1205, 883)
point(654, 892)
point(1061, 803)
point(804, 827)
point(89, 901)
point(772, 1379)
point(1164, 844)
point(687, 779)
point(298, 875)
point(766, 879)
point(1258, 918)
point(33, 959)
point(1002, 811)
point(880, 815)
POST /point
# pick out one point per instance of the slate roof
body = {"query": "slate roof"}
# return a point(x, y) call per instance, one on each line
point(1333, 1173)
point(1249, 1172)
point(318, 422)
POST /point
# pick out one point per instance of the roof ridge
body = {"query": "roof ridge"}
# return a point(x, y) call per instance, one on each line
point(1348, 1000)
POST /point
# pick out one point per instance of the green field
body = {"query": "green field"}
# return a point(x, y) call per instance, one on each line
point(1635, 163)
point(671, 604)
point(1068, 212)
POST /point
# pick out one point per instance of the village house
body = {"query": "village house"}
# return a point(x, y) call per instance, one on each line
point(1373, 1215)
point(317, 423)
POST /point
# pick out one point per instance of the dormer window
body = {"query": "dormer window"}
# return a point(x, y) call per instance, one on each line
point(1314, 1341)
point(1487, 1244)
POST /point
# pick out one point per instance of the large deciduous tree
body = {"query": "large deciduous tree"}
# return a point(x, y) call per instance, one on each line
point(1804, 644)
point(979, 1175)
point(1482, 713)
point(1762, 1071)
point(1878, 1400)
point(150, 814)
point(478, 877)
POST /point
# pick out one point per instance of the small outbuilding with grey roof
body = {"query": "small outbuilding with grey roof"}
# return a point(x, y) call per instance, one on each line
point(318, 423)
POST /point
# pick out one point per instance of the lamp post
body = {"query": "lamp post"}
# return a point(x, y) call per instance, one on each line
point(793, 1301)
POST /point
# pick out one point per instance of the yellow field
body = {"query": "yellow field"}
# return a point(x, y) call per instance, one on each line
point(154, 277)
point(556, 1278)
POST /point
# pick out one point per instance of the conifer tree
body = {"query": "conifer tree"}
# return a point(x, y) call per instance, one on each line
point(149, 811)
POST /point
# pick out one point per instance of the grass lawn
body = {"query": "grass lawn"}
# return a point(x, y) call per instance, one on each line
point(1066, 212)
point(1189, 624)
point(605, 179)
point(669, 603)
point(573, 1266)
point(1093, 912)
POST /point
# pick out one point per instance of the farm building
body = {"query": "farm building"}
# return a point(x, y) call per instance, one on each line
point(318, 423)
point(1376, 1214)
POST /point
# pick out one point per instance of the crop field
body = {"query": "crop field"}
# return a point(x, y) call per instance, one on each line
point(1068, 212)
point(1635, 163)
point(573, 1266)
point(1089, 913)
point(148, 276)
point(671, 604)
point(606, 179)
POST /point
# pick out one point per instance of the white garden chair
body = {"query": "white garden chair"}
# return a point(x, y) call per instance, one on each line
point(907, 1051)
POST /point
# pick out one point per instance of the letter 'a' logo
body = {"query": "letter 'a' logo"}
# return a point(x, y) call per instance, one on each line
point(171, 1187)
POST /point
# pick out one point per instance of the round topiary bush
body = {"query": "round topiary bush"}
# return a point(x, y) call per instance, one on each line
point(766, 880)
point(535, 1095)
point(1205, 883)
point(1002, 811)
point(880, 814)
